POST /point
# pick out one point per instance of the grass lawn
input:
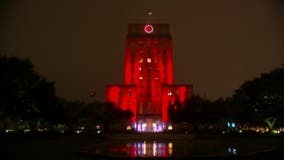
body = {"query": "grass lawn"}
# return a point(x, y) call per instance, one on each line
point(61, 147)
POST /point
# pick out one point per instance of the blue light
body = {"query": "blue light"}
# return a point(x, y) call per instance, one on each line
point(228, 124)
point(233, 124)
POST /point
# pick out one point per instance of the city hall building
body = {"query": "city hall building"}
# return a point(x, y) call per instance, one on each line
point(148, 88)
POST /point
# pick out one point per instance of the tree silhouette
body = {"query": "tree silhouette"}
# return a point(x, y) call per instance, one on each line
point(261, 98)
point(24, 94)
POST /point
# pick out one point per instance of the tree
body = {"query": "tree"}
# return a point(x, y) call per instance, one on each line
point(113, 114)
point(24, 94)
point(195, 111)
point(262, 98)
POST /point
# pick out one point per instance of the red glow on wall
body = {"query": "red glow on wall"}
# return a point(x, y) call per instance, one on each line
point(112, 93)
point(148, 87)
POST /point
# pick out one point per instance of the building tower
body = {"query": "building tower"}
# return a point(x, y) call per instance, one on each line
point(148, 88)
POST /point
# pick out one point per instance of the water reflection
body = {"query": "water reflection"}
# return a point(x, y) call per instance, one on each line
point(146, 149)
point(181, 149)
point(232, 150)
point(163, 149)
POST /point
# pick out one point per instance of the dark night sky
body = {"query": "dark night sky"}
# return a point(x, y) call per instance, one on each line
point(217, 44)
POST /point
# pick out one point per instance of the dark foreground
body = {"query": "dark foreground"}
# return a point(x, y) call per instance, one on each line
point(59, 147)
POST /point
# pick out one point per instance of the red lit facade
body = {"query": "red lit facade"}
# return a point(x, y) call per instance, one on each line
point(148, 87)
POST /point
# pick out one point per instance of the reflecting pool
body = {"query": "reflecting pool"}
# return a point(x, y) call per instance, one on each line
point(171, 149)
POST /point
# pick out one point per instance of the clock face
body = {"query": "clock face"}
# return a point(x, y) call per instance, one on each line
point(148, 28)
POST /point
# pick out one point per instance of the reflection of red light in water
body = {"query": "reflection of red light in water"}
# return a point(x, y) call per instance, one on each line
point(131, 151)
point(165, 152)
point(145, 149)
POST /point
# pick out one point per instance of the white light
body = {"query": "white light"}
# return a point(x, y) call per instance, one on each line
point(170, 146)
point(128, 128)
point(154, 149)
point(143, 126)
point(144, 148)
point(160, 128)
point(170, 127)
point(170, 94)
point(154, 125)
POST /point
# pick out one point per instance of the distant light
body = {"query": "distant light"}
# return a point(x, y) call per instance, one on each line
point(170, 145)
point(27, 130)
point(232, 150)
point(9, 130)
point(128, 128)
point(170, 127)
point(148, 28)
point(228, 124)
point(144, 125)
point(275, 132)
point(233, 124)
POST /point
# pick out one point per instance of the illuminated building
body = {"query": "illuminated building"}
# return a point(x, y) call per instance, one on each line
point(148, 88)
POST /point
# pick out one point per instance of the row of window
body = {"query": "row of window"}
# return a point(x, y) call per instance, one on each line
point(170, 93)
point(149, 69)
point(148, 60)
point(156, 78)
point(148, 50)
